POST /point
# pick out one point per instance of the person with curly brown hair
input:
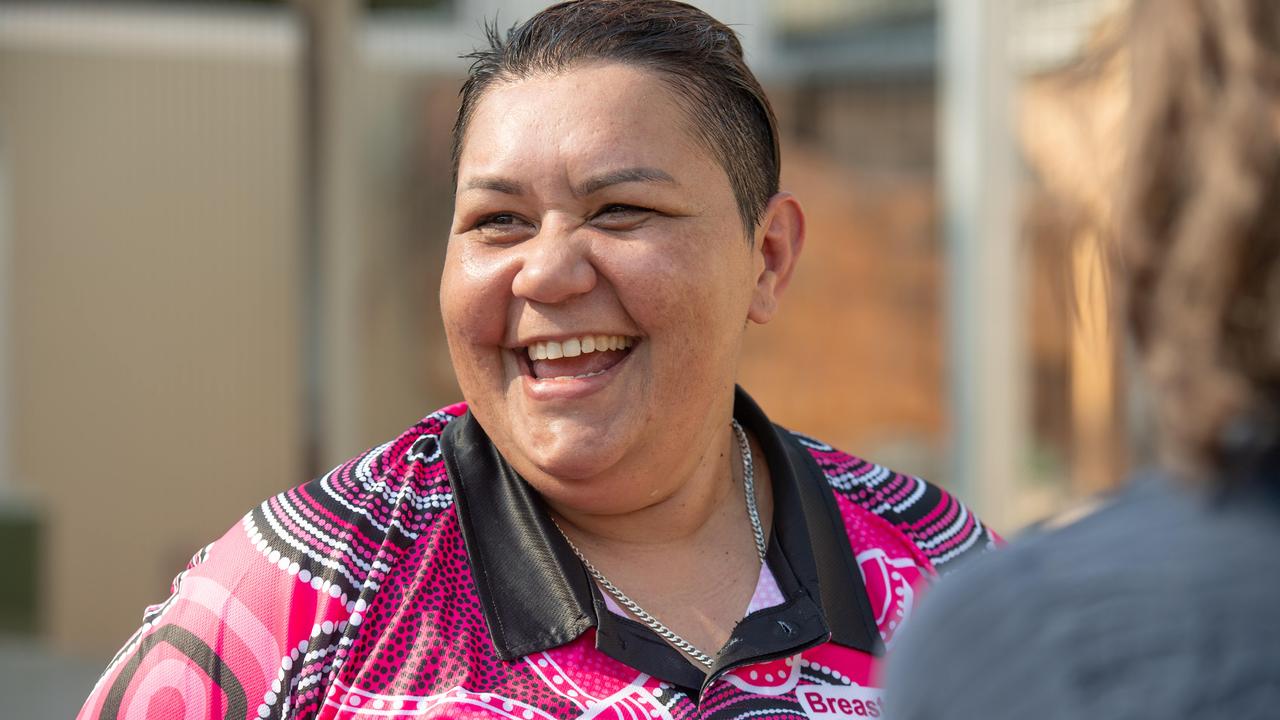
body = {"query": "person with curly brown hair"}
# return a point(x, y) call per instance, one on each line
point(1162, 603)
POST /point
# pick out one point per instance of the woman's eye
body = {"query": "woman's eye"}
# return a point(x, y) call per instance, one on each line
point(502, 227)
point(618, 215)
point(497, 220)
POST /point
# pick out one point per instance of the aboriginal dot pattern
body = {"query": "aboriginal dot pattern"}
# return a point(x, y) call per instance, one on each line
point(352, 596)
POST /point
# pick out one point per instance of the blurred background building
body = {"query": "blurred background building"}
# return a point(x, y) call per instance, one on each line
point(221, 226)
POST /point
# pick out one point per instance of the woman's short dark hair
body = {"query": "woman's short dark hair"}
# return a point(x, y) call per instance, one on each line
point(699, 57)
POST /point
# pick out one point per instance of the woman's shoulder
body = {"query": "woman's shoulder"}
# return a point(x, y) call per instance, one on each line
point(329, 530)
point(390, 492)
point(277, 597)
point(940, 529)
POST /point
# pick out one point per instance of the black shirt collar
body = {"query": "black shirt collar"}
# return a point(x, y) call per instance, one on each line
point(536, 595)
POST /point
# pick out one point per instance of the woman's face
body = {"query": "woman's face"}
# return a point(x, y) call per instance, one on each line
point(588, 218)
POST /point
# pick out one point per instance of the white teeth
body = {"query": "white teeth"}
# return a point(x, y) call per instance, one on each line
point(573, 347)
point(580, 377)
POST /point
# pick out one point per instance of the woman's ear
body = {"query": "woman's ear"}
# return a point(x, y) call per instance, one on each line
point(778, 242)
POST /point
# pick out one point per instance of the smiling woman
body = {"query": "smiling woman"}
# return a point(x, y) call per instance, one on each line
point(608, 525)
point(589, 208)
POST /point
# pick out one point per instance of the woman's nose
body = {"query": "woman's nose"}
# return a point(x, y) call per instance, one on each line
point(556, 267)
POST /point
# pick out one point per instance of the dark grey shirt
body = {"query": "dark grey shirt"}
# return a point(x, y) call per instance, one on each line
point(1163, 604)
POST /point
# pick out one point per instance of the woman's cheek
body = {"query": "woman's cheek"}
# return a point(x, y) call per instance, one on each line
point(653, 277)
point(476, 295)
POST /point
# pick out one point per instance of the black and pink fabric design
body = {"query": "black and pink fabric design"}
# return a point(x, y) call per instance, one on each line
point(352, 597)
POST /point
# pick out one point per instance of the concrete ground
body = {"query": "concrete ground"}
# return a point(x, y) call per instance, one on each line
point(39, 684)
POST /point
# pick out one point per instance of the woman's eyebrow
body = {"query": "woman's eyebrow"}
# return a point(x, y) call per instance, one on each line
point(625, 175)
point(508, 186)
point(496, 184)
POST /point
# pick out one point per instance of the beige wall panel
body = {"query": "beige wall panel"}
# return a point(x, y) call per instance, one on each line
point(156, 334)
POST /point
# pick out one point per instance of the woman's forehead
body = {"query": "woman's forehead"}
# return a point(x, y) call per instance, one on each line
point(582, 120)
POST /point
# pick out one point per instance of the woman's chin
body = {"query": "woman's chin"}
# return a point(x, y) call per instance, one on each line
point(568, 457)
point(573, 462)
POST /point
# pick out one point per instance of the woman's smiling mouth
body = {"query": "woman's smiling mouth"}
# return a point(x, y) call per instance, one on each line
point(576, 358)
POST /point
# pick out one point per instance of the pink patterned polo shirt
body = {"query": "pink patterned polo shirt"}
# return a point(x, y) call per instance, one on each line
point(423, 579)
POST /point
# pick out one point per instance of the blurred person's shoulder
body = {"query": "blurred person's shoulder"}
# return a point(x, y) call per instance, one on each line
point(1156, 602)
point(1152, 530)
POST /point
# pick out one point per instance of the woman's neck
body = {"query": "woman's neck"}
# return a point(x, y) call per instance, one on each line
point(666, 555)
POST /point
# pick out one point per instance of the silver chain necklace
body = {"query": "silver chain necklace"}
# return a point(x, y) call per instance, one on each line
point(748, 485)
